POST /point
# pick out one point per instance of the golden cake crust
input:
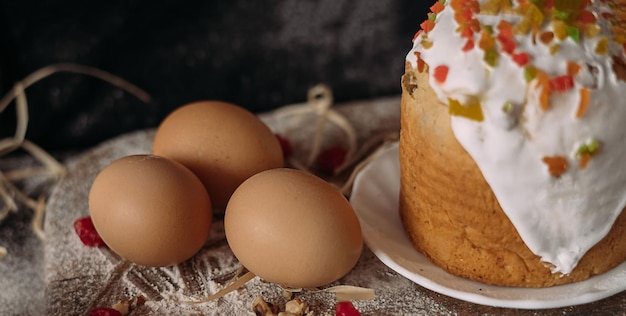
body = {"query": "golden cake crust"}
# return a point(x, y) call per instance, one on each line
point(452, 216)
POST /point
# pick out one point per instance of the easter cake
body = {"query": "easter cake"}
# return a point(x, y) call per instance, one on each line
point(512, 139)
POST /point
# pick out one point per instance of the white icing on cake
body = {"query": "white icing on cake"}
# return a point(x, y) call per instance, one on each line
point(559, 217)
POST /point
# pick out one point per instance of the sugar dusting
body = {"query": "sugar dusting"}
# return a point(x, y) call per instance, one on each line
point(78, 278)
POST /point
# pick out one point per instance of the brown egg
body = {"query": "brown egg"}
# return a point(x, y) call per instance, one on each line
point(293, 228)
point(223, 144)
point(150, 210)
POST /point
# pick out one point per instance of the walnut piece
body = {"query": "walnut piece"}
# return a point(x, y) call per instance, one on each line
point(294, 307)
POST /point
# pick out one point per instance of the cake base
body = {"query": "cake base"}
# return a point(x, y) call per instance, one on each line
point(452, 216)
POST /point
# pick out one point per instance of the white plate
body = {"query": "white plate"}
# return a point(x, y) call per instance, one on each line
point(375, 199)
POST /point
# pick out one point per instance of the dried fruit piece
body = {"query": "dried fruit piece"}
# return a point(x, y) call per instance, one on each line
point(104, 311)
point(546, 37)
point(331, 158)
point(440, 73)
point(472, 111)
point(521, 59)
point(583, 105)
point(543, 82)
point(573, 68)
point(592, 148)
point(346, 308)
point(587, 151)
point(619, 67)
point(437, 7)
point(557, 165)
point(584, 161)
point(427, 25)
point(602, 48)
point(87, 232)
point(562, 83)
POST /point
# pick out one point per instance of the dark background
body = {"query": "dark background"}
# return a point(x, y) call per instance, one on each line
point(258, 54)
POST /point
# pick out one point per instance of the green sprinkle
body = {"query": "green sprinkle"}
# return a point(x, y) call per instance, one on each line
point(573, 33)
point(592, 148)
point(508, 107)
point(530, 73)
point(562, 15)
point(432, 16)
point(491, 57)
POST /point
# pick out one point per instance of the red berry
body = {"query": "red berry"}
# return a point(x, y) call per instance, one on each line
point(285, 146)
point(104, 311)
point(87, 232)
point(346, 308)
point(331, 158)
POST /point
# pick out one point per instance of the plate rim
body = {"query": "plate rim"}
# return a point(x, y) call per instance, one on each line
point(389, 155)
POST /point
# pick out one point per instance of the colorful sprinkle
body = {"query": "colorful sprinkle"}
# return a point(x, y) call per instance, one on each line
point(583, 105)
point(562, 83)
point(471, 111)
point(557, 165)
point(587, 151)
point(440, 74)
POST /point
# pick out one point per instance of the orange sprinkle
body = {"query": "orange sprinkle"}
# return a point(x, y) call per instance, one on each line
point(543, 82)
point(421, 64)
point(427, 25)
point(441, 73)
point(437, 7)
point(557, 165)
point(573, 68)
point(486, 41)
point(584, 161)
point(583, 106)
point(505, 37)
point(546, 37)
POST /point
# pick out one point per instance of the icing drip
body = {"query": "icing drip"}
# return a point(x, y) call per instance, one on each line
point(548, 78)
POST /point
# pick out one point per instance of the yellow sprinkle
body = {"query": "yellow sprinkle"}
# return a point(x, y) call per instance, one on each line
point(471, 111)
point(602, 48)
point(427, 43)
point(554, 49)
point(560, 29)
point(592, 30)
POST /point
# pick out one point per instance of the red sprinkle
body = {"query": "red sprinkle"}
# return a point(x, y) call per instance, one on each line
point(441, 73)
point(417, 35)
point(562, 83)
point(285, 146)
point(87, 233)
point(522, 59)
point(104, 311)
point(346, 308)
point(468, 46)
point(331, 158)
